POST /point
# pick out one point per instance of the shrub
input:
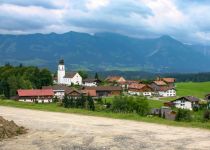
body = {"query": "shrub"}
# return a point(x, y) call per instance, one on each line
point(141, 106)
point(80, 102)
point(124, 104)
point(183, 115)
point(55, 99)
point(206, 115)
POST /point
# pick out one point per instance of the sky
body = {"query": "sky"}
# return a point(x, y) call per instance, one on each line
point(185, 20)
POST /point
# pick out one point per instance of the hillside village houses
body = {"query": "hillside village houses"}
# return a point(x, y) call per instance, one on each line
point(90, 82)
point(164, 87)
point(140, 89)
point(186, 102)
point(116, 85)
point(67, 78)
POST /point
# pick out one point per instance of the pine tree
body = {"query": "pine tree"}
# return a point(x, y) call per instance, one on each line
point(96, 76)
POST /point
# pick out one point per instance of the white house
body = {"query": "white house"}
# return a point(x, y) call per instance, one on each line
point(67, 78)
point(90, 82)
point(59, 90)
point(167, 92)
point(162, 89)
point(187, 102)
point(140, 89)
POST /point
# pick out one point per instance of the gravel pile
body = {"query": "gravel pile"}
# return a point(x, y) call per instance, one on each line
point(9, 129)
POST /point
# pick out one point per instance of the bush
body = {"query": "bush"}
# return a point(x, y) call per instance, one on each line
point(183, 115)
point(55, 99)
point(124, 104)
point(206, 115)
point(79, 102)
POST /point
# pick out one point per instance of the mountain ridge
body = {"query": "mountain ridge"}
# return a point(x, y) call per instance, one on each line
point(102, 51)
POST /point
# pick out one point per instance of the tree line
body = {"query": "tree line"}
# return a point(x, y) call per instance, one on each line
point(22, 77)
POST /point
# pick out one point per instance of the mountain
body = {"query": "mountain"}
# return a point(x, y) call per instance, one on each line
point(102, 51)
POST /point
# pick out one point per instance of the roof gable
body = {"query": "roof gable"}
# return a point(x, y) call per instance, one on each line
point(188, 98)
point(70, 74)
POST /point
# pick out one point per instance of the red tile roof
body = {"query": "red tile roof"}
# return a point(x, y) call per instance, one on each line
point(115, 79)
point(165, 88)
point(136, 86)
point(104, 88)
point(36, 92)
point(159, 82)
point(169, 80)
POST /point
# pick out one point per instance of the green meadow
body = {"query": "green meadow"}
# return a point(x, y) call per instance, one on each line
point(197, 89)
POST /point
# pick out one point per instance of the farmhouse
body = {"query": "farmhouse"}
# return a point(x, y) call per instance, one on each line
point(140, 89)
point(36, 95)
point(170, 81)
point(59, 90)
point(67, 78)
point(186, 102)
point(74, 93)
point(90, 82)
point(104, 91)
point(162, 89)
point(117, 79)
point(125, 84)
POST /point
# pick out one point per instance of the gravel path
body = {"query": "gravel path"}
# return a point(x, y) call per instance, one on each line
point(60, 131)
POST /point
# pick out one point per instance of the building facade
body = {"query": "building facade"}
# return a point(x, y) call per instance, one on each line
point(67, 78)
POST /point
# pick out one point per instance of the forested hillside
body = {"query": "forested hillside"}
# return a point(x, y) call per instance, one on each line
point(102, 51)
point(20, 77)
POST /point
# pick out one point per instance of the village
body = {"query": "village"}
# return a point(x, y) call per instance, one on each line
point(73, 86)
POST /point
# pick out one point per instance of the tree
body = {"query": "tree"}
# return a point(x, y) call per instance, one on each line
point(65, 101)
point(13, 85)
point(96, 76)
point(45, 77)
point(83, 74)
point(183, 115)
point(91, 105)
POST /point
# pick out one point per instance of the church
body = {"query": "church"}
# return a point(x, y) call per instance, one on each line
point(67, 78)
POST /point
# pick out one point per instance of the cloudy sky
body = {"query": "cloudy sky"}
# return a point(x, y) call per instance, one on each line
point(185, 20)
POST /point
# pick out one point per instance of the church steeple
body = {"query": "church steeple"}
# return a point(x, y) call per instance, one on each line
point(61, 71)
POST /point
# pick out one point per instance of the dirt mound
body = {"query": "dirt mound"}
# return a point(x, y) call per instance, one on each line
point(9, 129)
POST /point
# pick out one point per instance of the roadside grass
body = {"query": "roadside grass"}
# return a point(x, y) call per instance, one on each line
point(135, 117)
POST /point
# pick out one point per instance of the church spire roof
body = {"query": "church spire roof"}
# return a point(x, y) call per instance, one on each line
point(61, 62)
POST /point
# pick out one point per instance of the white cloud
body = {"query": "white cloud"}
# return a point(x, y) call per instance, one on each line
point(96, 4)
point(185, 20)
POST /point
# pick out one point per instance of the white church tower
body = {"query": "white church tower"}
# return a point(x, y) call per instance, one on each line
point(61, 72)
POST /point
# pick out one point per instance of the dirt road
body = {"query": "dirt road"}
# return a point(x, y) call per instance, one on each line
point(59, 131)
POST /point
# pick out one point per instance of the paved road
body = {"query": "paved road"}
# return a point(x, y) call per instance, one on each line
point(60, 131)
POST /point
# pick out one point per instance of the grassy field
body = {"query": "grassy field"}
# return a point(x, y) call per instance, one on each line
point(199, 89)
point(55, 108)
